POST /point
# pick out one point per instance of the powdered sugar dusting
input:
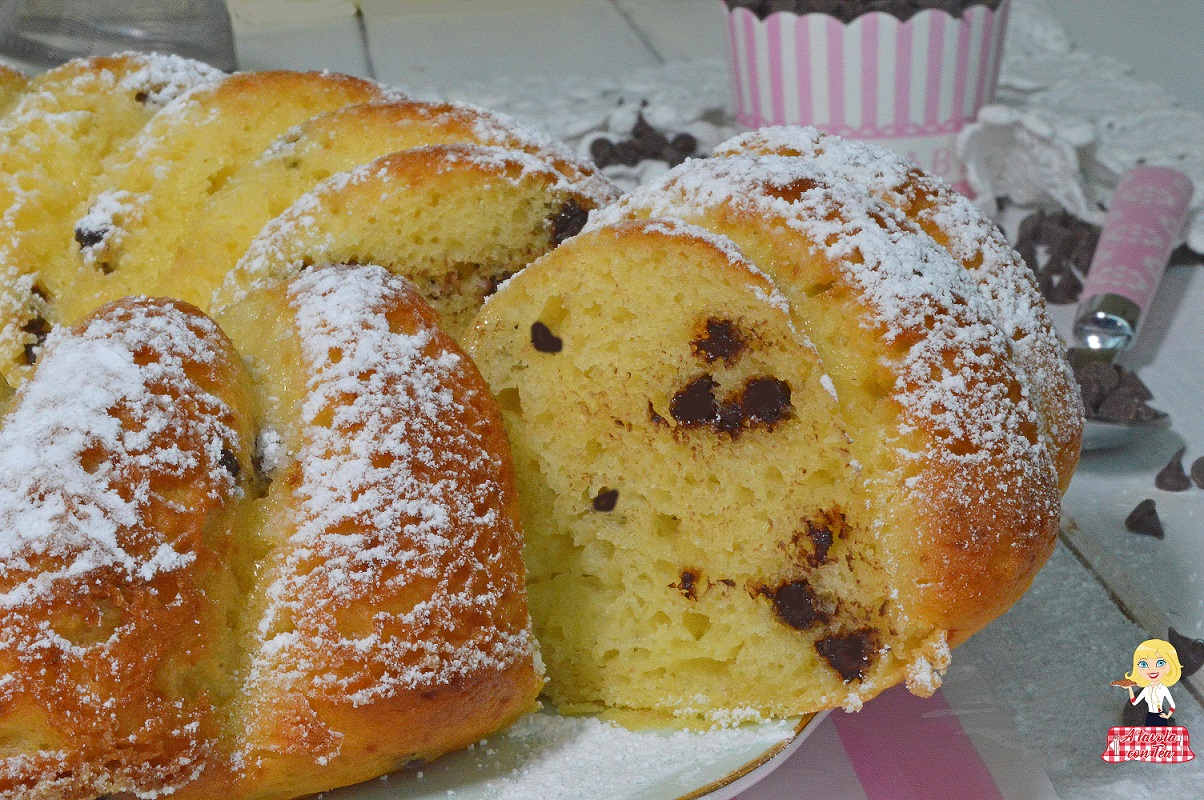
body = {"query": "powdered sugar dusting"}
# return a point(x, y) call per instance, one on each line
point(164, 77)
point(567, 758)
point(63, 517)
point(1005, 282)
point(390, 495)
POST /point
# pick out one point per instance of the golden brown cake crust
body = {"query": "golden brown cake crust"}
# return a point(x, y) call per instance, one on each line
point(124, 462)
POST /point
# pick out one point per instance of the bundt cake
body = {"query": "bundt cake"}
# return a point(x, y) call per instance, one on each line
point(1004, 280)
point(264, 587)
point(53, 142)
point(455, 219)
point(126, 467)
point(124, 237)
point(303, 157)
point(959, 487)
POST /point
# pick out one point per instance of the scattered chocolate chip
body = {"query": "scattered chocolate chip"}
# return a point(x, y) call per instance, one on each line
point(688, 584)
point(90, 237)
point(1191, 651)
point(568, 222)
point(1144, 520)
point(1065, 289)
point(606, 500)
point(142, 96)
point(796, 605)
point(848, 653)
point(645, 142)
point(1197, 472)
point(723, 339)
point(543, 340)
point(229, 462)
point(766, 400)
point(1128, 378)
point(1067, 244)
point(1112, 393)
point(695, 404)
point(1172, 478)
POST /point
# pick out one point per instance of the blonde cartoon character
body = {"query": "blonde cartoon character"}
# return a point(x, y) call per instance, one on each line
point(1155, 667)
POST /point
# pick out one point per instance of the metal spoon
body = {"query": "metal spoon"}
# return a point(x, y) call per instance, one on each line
point(1147, 213)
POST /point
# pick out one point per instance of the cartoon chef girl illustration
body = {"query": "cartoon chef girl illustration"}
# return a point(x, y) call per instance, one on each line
point(1155, 667)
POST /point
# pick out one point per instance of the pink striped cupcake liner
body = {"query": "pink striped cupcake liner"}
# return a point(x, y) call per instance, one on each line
point(911, 86)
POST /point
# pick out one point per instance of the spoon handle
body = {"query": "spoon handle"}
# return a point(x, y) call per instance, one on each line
point(1142, 226)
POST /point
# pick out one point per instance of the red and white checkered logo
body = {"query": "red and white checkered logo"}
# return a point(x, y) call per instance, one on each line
point(1161, 745)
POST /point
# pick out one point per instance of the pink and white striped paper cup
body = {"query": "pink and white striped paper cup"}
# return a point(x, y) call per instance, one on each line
point(910, 86)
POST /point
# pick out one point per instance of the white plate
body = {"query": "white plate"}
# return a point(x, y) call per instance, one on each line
point(548, 757)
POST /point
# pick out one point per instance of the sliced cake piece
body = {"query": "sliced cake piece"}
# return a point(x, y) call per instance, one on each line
point(53, 142)
point(1005, 281)
point(124, 467)
point(697, 538)
point(325, 145)
point(126, 233)
point(950, 446)
point(454, 219)
point(388, 620)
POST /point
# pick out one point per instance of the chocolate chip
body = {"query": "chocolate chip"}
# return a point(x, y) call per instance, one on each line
point(41, 292)
point(766, 400)
point(684, 143)
point(1121, 405)
point(90, 237)
point(1191, 651)
point(1144, 520)
point(40, 329)
point(695, 404)
point(627, 153)
point(1172, 478)
point(731, 418)
point(821, 539)
point(797, 606)
point(543, 339)
point(723, 339)
point(848, 653)
point(602, 151)
point(606, 500)
point(1128, 378)
point(229, 462)
point(1197, 471)
point(687, 585)
point(1065, 290)
point(142, 96)
point(568, 222)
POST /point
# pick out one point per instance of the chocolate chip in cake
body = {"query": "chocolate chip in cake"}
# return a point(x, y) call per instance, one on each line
point(848, 653)
point(797, 606)
point(722, 340)
point(568, 222)
point(544, 340)
point(229, 462)
point(695, 404)
point(142, 96)
point(1191, 651)
point(40, 329)
point(688, 584)
point(1144, 520)
point(39, 291)
point(1172, 478)
point(821, 540)
point(606, 500)
point(766, 400)
point(1197, 472)
point(86, 236)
